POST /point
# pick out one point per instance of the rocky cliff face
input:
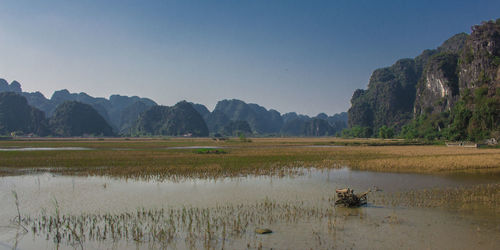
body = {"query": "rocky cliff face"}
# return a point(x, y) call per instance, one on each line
point(455, 88)
point(480, 58)
point(437, 90)
point(389, 98)
point(463, 64)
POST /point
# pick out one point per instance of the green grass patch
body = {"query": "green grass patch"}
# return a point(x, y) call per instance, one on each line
point(209, 151)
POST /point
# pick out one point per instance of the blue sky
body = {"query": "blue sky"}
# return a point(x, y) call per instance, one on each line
point(302, 56)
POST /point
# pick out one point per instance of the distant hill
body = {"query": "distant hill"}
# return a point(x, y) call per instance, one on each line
point(18, 117)
point(12, 87)
point(178, 120)
point(114, 110)
point(308, 127)
point(320, 125)
point(338, 121)
point(216, 121)
point(261, 120)
point(294, 116)
point(130, 115)
point(124, 113)
point(269, 122)
point(235, 128)
point(72, 118)
point(202, 110)
point(452, 92)
point(111, 109)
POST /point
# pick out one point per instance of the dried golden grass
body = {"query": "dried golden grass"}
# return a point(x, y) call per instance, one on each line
point(262, 156)
point(468, 198)
point(426, 159)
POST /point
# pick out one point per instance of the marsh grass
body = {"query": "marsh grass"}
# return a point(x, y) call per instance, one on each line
point(151, 158)
point(470, 198)
point(18, 221)
point(195, 227)
point(222, 225)
point(209, 151)
point(152, 143)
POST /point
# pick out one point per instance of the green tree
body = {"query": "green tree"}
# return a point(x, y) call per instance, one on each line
point(358, 132)
point(386, 132)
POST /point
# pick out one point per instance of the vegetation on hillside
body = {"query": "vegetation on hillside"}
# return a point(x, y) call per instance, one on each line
point(236, 128)
point(261, 120)
point(73, 118)
point(179, 120)
point(452, 93)
point(18, 118)
point(114, 110)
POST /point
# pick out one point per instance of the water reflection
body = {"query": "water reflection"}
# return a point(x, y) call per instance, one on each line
point(297, 207)
point(46, 149)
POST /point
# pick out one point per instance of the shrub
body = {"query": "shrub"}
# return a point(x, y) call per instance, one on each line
point(386, 132)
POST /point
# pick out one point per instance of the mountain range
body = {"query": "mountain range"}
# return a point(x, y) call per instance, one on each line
point(451, 92)
point(143, 117)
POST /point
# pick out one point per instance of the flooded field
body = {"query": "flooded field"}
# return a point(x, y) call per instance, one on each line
point(44, 149)
point(206, 194)
point(117, 213)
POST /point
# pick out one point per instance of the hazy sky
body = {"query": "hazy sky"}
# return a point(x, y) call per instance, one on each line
point(304, 56)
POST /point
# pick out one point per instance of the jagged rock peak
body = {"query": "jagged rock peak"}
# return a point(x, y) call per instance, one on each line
point(14, 86)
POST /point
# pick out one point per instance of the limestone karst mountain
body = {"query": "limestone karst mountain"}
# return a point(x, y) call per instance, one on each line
point(451, 92)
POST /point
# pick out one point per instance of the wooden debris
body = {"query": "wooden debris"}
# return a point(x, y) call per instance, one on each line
point(346, 197)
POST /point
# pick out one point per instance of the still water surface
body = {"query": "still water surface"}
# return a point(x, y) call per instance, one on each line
point(45, 149)
point(373, 226)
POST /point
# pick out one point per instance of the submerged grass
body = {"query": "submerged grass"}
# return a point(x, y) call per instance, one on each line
point(159, 159)
point(471, 198)
point(221, 226)
point(189, 227)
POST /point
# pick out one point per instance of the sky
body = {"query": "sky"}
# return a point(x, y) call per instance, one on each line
point(292, 56)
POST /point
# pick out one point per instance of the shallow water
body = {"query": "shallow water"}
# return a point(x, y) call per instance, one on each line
point(45, 149)
point(307, 198)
